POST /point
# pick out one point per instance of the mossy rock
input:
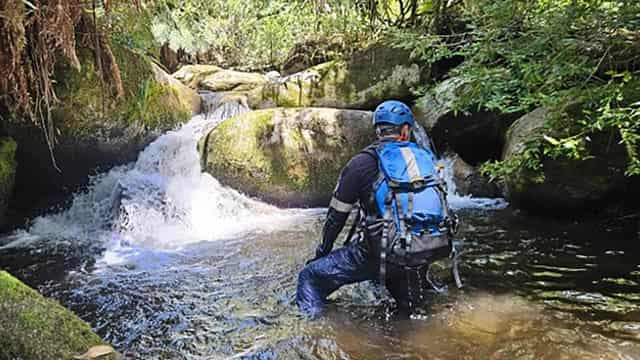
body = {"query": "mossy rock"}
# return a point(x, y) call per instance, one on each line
point(7, 173)
point(475, 136)
point(94, 130)
point(86, 104)
point(361, 83)
point(569, 185)
point(180, 95)
point(34, 327)
point(289, 157)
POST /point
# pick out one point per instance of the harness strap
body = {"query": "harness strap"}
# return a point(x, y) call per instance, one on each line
point(384, 241)
point(408, 218)
point(356, 223)
point(401, 216)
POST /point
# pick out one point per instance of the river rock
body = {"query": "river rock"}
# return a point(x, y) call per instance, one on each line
point(231, 80)
point(569, 185)
point(192, 75)
point(7, 173)
point(34, 327)
point(476, 137)
point(370, 77)
point(181, 95)
point(288, 157)
point(469, 181)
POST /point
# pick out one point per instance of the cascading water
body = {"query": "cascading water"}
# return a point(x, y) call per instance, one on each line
point(163, 200)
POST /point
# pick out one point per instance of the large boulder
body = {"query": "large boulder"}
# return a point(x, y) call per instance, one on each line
point(192, 75)
point(34, 327)
point(569, 185)
point(231, 80)
point(94, 131)
point(180, 95)
point(289, 157)
point(370, 77)
point(476, 136)
point(7, 173)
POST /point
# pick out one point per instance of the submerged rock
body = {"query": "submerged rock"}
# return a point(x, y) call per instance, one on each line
point(99, 352)
point(477, 136)
point(289, 157)
point(7, 173)
point(34, 327)
point(569, 185)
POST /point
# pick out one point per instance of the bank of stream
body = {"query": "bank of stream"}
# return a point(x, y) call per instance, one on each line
point(164, 262)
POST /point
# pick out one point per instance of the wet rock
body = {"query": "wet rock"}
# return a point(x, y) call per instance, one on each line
point(289, 157)
point(569, 185)
point(476, 137)
point(181, 95)
point(469, 181)
point(34, 327)
point(99, 352)
point(7, 173)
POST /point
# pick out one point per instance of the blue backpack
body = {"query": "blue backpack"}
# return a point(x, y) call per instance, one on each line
point(411, 200)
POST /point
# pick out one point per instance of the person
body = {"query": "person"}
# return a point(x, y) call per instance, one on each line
point(377, 244)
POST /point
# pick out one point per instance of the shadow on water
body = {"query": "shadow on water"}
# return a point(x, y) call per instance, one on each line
point(534, 289)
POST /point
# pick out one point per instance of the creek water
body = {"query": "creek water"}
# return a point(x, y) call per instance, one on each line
point(164, 262)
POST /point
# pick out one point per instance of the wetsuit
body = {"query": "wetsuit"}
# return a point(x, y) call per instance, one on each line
point(358, 261)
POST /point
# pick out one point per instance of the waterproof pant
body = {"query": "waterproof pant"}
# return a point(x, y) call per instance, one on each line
point(344, 266)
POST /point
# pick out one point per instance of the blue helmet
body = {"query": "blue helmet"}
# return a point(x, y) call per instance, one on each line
point(393, 112)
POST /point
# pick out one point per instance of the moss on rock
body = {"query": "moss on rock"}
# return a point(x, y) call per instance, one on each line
point(34, 327)
point(7, 173)
point(86, 104)
point(361, 83)
point(290, 157)
point(563, 185)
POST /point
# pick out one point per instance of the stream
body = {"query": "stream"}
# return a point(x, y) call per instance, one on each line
point(166, 263)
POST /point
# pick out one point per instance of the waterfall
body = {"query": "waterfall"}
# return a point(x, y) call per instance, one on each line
point(163, 200)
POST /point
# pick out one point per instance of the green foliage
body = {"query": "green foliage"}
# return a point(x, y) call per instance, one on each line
point(520, 55)
point(255, 34)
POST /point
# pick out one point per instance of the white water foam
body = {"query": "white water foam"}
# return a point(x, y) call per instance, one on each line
point(457, 201)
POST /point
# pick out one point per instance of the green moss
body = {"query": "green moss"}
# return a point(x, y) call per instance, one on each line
point(34, 327)
point(282, 153)
point(86, 101)
point(8, 164)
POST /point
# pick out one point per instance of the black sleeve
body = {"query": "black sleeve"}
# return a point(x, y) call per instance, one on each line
point(347, 192)
point(354, 178)
point(332, 227)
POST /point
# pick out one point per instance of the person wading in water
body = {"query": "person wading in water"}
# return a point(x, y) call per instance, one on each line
point(403, 221)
